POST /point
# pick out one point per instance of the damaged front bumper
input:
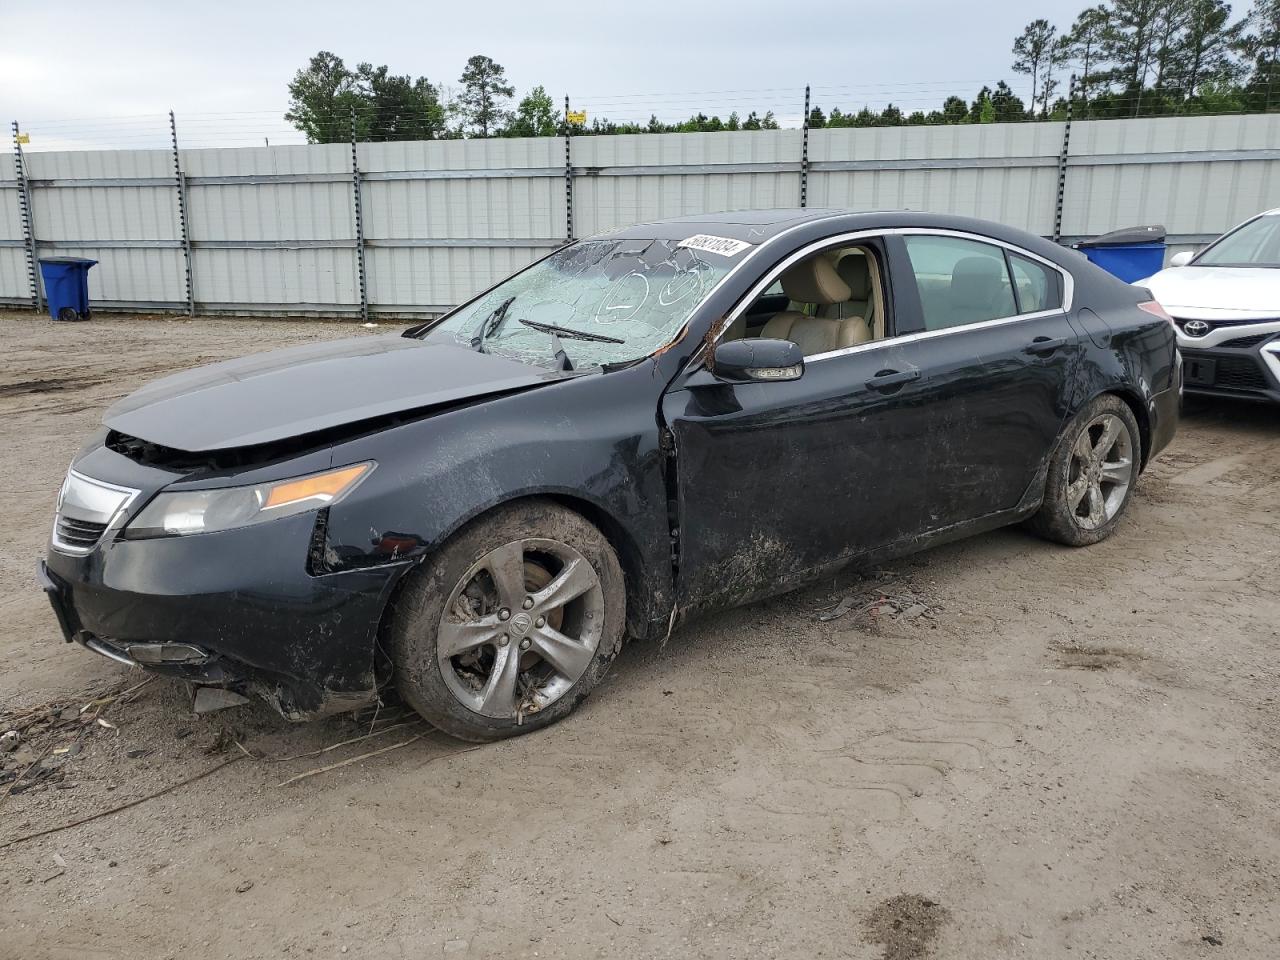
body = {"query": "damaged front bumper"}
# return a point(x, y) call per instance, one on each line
point(236, 610)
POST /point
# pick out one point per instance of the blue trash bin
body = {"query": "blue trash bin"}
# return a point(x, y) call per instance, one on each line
point(66, 286)
point(1134, 253)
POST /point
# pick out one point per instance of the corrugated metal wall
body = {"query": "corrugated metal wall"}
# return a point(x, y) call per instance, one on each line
point(272, 229)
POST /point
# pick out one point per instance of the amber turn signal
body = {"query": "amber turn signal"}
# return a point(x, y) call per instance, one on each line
point(321, 487)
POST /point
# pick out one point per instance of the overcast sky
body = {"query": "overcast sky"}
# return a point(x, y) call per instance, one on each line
point(93, 73)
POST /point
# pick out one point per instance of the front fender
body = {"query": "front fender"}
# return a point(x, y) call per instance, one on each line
point(591, 443)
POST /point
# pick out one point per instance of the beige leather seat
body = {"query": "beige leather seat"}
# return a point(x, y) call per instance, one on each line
point(855, 269)
point(816, 281)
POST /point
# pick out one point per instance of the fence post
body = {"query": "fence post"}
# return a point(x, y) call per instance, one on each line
point(180, 181)
point(28, 224)
point(1062, 163)
point(804, 153)
point(359, 210)
point(568, 176)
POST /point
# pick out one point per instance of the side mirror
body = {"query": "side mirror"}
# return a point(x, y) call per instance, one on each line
point(1181, 259)
point(755, 361)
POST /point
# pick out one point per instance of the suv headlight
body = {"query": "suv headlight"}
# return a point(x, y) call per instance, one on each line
point(178, 513)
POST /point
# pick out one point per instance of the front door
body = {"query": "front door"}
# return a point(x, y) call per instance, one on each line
point(776, 480)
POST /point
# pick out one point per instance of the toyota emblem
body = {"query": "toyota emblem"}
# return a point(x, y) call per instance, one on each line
point(1195, 328)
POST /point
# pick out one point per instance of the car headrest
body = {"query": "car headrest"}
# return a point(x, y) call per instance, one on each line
point(975, 282)
point(854, 270)
point(815, 281)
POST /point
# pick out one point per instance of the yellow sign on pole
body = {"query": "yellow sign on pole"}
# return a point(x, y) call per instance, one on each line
point(24, 138)
point(578, 117)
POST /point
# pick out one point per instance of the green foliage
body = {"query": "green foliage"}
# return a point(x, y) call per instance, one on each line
point(485, 92)
point(1038, 51)
point(321, 98)
point(1130, 58)
point(535, 116)
point(326, 95)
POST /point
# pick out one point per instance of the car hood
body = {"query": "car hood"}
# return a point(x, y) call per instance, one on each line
point(1217, 291)
point(287, 393)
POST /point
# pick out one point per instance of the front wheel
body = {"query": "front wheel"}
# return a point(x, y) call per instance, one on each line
point(1091, 474)
point(511, 625)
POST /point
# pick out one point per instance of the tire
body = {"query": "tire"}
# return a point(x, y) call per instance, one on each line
point(68, 315)
point(1088, 488)
point(482, 656)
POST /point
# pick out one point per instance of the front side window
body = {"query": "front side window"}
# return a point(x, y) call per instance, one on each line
point(608, 302)
point(960, 281)
point(1255, 244)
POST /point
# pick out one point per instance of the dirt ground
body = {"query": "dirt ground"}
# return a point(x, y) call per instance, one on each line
point(1066, 753)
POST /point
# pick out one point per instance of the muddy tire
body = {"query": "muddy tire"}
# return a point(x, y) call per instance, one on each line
point(511, 624)
point(1091, 475)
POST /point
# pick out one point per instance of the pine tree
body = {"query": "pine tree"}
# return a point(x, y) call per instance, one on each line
point(484, 95)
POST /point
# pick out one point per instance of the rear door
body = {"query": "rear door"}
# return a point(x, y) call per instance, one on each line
point(985, 327)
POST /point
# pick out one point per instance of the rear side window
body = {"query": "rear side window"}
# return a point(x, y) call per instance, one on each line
point(960, 281)
point(1039, 287)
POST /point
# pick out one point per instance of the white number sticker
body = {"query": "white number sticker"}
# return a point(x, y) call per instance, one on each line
point(721, 245)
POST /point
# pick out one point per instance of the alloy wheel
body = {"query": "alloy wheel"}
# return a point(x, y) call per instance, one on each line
point(1099, 471)
point(520, 628)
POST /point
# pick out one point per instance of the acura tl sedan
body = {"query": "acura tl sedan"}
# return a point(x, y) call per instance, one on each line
point(655, 422)
point(1225, 301)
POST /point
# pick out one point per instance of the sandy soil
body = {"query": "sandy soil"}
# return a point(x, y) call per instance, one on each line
point(1071, 753)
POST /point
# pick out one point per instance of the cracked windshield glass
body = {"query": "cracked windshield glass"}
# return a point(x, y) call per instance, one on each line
point(599, 301)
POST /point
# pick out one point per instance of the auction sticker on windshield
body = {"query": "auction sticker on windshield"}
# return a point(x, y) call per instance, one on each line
point(709, 244)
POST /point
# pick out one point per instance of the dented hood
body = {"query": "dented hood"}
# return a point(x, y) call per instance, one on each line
point(287, 393)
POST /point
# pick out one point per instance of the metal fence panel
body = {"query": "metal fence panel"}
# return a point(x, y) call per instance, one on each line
point(411, 280)
point(626, 179)
point(273, 229)
point(446, 218)
point(310, 278)
point(14, 287)
point(998, 171)
point(1165, 182)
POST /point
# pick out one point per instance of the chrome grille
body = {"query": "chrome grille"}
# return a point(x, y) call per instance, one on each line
point(79, 533)
point(87, 510)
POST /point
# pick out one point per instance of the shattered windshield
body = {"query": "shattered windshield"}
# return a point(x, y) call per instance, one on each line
point(599, 301)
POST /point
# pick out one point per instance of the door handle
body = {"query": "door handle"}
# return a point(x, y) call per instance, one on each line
point(889, 379)
point(1045, 345)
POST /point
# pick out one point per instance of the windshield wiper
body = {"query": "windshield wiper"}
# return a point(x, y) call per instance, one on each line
point(570, 332)
point(492, 324)
point(562, 358)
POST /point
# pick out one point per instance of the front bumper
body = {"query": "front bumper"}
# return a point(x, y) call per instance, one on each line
point(1241, 361)
point(235, 609)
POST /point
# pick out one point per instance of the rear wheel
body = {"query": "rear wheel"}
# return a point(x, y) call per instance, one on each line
point(1091, 475)
point(512, 624)
point(68, 315)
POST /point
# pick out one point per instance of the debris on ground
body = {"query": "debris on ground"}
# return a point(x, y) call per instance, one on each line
point(894, 600)
point(906, 925)
point(39, 741)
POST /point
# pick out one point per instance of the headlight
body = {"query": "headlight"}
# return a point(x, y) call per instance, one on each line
point(178, 513)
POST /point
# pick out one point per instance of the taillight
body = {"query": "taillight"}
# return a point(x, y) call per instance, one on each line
point(1153, 308)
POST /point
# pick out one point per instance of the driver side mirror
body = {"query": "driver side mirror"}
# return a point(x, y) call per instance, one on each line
point(755, 361)
point(1182, 259)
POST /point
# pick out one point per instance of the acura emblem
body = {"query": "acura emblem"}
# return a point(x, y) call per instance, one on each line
point(1195, 328)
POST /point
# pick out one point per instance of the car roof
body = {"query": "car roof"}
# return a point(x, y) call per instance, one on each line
point(761, 226)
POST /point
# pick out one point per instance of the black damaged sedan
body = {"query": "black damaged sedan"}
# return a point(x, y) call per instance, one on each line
point(670, 418)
